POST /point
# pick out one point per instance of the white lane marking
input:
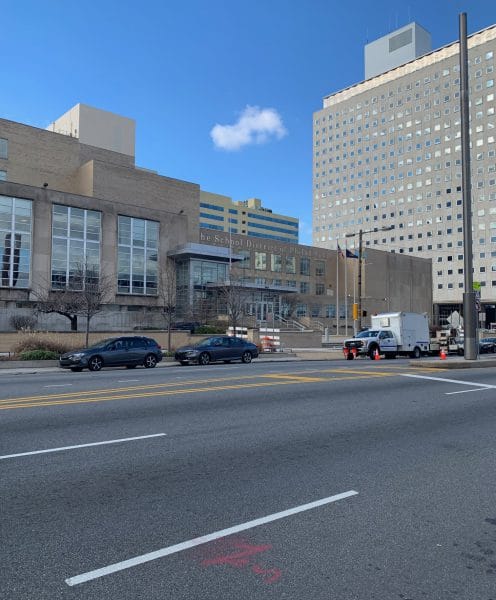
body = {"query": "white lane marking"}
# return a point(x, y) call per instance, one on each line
point(144, 558)
point(58, 385)
point(131, 439)
point(442, 380)
point(126, 380)
point(465, 391)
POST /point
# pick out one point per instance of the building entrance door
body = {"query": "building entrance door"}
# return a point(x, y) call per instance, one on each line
point(264, 310)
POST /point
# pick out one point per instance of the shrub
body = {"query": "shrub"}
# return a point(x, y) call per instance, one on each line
point(38, 355)
point(22, 322)
point(210, 329)
point(41, 341)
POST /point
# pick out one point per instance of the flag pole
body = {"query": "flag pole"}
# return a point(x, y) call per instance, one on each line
point(337, 290)
point(354, 300)
point(346, 288)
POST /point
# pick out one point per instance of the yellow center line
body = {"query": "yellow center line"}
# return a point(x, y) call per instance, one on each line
point(47, 402)
point(128, 389)
point(164, 389)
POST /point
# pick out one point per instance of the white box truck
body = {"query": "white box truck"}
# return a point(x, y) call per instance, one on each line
point(392, 334)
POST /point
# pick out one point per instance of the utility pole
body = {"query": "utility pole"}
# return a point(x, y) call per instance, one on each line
point(360, 262)
point(469, 312)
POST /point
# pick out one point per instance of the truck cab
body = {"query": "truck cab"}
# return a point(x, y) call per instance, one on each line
point(370, 340)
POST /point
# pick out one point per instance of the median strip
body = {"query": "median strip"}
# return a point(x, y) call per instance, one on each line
point(144, 558)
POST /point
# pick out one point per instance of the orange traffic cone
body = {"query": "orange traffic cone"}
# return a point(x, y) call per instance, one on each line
point(345, 352)
point(442, 354)
point(377, 356)
point(354, 352)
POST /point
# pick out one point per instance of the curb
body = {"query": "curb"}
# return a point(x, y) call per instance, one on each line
point(19, 367)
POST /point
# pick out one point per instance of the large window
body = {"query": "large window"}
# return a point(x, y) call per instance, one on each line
point(304, 266)
point(15, 234)
point(137, 262)
point(261, 261)
point(290, 264)
point(276, 263)
point(76, 235)
point(319, 268)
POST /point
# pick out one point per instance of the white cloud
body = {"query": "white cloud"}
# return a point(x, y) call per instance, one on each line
point(255, 126)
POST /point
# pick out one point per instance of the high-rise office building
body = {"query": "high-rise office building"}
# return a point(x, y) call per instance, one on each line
point(387, 152)
point(247, 217)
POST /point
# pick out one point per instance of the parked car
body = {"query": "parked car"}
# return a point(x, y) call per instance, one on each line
point(114, 352)
point(217, 348)
point(487, 345)
point(186, 326)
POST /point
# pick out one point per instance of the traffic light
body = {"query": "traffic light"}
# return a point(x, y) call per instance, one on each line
point(355, 311)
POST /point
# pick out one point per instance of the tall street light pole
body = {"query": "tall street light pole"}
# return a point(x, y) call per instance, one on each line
point(360, 234)
point(469, 312)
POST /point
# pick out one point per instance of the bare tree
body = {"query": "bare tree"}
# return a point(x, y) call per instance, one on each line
point(63, 302)
point(289, 304)
point(233, 295)
point(167, 296)
point(83, 295)
point(93, 289)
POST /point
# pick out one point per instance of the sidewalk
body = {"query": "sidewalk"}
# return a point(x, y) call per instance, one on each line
point(289, 355)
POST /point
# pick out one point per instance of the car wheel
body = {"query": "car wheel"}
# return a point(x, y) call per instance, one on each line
point(460, 352)
point(76, 369)
point(150, 361)
point(204, 358)
point(130, 366)
point(246, 358)
point(350, 356)
point(95, 363)
point(372, 352)
point(416, 352)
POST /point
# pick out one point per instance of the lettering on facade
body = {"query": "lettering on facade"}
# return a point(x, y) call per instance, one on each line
point(247, 243)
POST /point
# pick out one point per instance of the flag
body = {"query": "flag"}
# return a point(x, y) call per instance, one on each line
point(340, 252)
point(350, 254)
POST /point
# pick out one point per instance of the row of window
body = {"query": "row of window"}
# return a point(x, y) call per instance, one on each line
point(76, 246)
point(277, 262)
point(444, 72)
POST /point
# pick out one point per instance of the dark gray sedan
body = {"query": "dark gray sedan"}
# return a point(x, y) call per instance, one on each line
point(114, 352)
point(217, 348)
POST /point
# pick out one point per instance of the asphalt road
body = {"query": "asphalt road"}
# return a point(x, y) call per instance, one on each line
point(334, 480)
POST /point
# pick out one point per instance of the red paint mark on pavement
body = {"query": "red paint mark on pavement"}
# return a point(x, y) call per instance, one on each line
point(237, 559)
point(276, 573)
point(238, 553)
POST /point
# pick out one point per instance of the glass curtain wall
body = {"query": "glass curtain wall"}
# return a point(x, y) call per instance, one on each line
point(76, 238)
point(15, 233)
point(137, 263)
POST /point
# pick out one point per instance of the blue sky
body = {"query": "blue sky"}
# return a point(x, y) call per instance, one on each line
point(222, 92)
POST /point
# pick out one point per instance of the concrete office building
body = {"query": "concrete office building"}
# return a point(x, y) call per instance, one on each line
point(65, 203)
point(247, 217)
point(387, 152)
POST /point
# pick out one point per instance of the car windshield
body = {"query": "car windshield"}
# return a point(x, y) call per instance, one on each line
point(367, 334)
